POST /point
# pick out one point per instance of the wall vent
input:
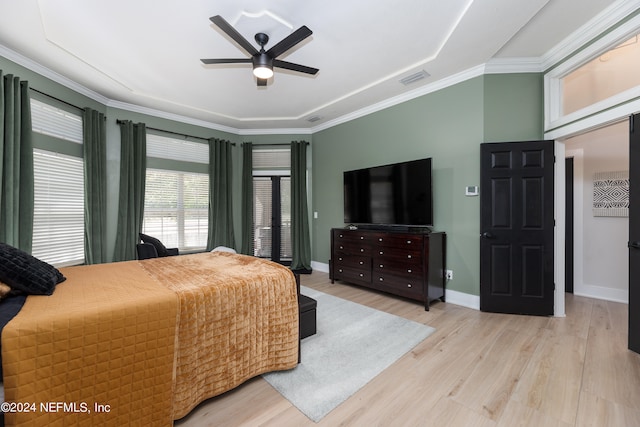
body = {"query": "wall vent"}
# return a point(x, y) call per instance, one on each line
point(414, 77)
point(314, 119)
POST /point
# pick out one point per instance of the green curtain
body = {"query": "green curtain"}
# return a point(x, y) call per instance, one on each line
point(133, 169)
point(220, 195)
point(94, 146)
point(300, 241)
point(16, 163)
point(247, 199)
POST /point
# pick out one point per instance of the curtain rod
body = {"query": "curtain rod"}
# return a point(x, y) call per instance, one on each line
point(57, 99)
point(173, 133)
point(275, 144)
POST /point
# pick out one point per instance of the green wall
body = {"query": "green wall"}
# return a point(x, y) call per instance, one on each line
point(448, 125)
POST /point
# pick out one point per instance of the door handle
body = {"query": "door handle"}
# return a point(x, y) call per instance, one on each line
point(487, 235)
point(634, 245)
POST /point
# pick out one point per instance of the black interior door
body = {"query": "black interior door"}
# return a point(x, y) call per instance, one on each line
point(517, 226)
point(568, 244)
point(634, 234)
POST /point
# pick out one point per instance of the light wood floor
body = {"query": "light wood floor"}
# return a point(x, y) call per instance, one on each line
point(477, 369)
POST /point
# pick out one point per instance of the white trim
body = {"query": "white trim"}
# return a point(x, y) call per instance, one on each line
point(553, 116)
point(320, 266)
point(603, 293)
point(596, 121)
point(513, 65)
point(462, 299)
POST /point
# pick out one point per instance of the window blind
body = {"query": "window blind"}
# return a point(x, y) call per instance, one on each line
point(49, 120)
point(271, 159)
point(176, 207)
point(163, 147)
point(58, 223)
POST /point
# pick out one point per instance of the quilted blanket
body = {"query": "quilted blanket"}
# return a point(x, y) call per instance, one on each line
point(143, 342)
point(238, 319)
point(99, 351)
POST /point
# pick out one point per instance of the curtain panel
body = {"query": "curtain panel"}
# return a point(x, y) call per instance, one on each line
point(94, 148)
point(16, 163)
point(300, 240)
point(220, 195)
point(247, 199)
point(133, 169)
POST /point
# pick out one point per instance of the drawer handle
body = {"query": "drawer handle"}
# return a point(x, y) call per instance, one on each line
point(409, 271)
point(381, 279)
point(340, 259)
point(408, 242)
point(380, 239)
point(361, 262)
point(341, 235)
point(361, 237)
point(408, 256)
point(341, 247)
point(408, 285)
point(340, 270)
point(381, 265)
point(361, 249)
point(381, 253)
point(361, 274)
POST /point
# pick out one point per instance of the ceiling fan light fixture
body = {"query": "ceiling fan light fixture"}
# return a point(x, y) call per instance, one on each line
point(263, 72)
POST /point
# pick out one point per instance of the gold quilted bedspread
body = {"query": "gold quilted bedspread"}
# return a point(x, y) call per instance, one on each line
point(143, 342)
point(105, 337)
point(238, 319)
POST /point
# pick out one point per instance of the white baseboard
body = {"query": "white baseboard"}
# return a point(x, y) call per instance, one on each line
point(600, 292)
point(453, 297)
point(460, 298)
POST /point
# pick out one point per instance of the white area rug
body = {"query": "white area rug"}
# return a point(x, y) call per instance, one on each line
point(353, 344)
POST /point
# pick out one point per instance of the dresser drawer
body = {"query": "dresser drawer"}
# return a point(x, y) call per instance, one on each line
point(390, 265)
point(352, 248)
point(401, 241)
point(352, 261)
point(351, 236)
point(408, 286)
point(352, 274)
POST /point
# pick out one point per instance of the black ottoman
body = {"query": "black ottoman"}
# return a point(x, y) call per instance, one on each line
point(307, 308)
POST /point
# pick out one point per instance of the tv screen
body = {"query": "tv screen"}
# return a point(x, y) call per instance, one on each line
point(396, 194)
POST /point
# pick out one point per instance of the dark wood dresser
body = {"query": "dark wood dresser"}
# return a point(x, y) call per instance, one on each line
point(408, 264)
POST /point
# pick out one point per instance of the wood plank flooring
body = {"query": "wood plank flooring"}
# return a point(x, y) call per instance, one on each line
point(477, 369)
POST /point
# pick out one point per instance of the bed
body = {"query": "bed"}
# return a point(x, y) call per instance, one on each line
point(144, 342)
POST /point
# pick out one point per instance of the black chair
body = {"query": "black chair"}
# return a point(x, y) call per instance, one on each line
point(150, 247)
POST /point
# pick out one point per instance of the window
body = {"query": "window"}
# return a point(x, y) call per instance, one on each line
point(272, 203)
point(176, 201)
point(58, 223)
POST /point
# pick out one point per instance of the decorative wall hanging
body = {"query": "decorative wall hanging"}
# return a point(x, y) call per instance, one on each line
point(611, 194)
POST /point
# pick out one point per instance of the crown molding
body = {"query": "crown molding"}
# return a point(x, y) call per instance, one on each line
point(513, 65)
point(589, 31)
point(399, 99)
point(50, 74)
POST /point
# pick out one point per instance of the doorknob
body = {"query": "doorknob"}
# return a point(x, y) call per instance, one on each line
point(634, 245)
point(487, 235)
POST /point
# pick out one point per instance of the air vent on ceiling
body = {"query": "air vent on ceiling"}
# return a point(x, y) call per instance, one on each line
point(314, 119)
point(414, 77)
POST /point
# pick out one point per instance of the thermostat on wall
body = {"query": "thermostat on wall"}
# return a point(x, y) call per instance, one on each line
point(471, 190)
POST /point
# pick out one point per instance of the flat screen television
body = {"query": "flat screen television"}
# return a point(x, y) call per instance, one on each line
point(395, 194)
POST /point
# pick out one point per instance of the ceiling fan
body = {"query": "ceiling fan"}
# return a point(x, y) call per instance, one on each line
point(263, 61)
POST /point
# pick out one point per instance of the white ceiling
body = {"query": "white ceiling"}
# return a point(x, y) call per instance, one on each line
point(146, 53)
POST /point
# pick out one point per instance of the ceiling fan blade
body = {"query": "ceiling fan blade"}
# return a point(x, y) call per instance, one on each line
point(290, 41)
point(235, 35)
point(227, 61)
point(262, 82)
point(294, 67)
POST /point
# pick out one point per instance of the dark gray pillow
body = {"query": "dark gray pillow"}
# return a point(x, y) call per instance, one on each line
point(26, 273)
point(160, 248)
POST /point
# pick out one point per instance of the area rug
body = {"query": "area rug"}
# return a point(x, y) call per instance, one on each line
point(352, 345)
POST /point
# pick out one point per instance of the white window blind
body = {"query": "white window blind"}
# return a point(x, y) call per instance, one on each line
point(271, 159)
point(49, 120)
point(163, 147)
point(58, 223)
point(176, 207)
